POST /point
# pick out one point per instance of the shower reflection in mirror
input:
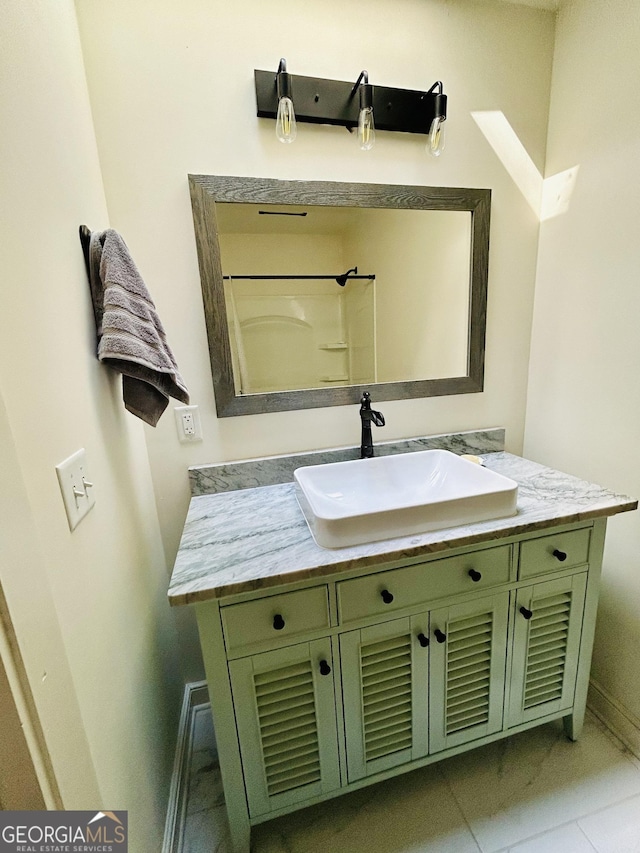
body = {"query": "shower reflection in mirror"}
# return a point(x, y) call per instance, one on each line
point(301, 331)
point(294, 323)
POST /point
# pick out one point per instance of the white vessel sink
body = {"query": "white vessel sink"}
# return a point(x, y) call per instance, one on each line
point(365, 500)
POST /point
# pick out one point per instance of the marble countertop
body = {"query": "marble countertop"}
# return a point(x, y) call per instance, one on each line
point(256, 538)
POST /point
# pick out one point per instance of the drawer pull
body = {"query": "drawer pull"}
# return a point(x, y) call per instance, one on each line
point(325, 669)
point(278, 622)
point(424, 641)
point(440, 636)
point(560, 555)
point(474, 575)
point(526, 612)
point(387, 597)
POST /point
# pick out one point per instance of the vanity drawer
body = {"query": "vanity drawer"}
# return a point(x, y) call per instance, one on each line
point(554, 553)
point(387, 592)
point(275, 619)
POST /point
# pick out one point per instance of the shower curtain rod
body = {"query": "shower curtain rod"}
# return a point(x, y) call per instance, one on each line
point(349, 275)
point(291, 277)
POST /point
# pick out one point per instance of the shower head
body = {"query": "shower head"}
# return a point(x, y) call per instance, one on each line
point(342, 279)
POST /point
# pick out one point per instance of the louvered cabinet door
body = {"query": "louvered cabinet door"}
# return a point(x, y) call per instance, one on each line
point(546, 644)
point(385, 693)
point(468, 655)
point(285, 712)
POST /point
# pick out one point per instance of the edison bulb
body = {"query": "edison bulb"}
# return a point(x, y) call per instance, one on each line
point(436, 141)
point(366, 129)
point(286, 129)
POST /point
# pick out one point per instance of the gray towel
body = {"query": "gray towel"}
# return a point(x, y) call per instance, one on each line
point(131, 338)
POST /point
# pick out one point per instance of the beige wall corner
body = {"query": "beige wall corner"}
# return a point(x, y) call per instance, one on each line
point(584, 396)
point(615, 717)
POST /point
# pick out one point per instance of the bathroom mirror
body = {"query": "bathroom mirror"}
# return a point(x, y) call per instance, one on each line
point(315, 291)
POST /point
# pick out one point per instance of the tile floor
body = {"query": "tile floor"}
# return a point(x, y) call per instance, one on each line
point(532, 793)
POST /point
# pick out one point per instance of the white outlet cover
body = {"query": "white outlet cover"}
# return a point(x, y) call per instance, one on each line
point(73, 475)
point(194, 412)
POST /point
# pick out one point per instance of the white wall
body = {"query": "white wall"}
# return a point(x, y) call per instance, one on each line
point(171, 88)
point(584, 391)
point(33, 617)
point(89, 607)
point(421, 261)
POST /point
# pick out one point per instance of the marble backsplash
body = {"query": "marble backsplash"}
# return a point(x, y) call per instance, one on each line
point(272, 470)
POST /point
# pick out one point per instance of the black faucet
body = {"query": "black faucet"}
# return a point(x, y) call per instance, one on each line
point(367, 415)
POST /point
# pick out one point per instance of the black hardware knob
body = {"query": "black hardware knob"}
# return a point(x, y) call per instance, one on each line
point(325, 669)
point(278, 622)
point(440, 637)
point(526, 612)
point(560, 555)
point(474, 575)
point(424, 641)
point(387, 597)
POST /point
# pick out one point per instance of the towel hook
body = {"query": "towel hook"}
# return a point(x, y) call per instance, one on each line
point(85, 239)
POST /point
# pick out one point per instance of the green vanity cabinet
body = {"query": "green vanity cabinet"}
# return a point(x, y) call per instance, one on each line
point(409, 691)
point(385, 678)
point(553, 625)
point(382, 593)
point(329, 684)
point(546, 645)
point(286, 719)
point(467, 673)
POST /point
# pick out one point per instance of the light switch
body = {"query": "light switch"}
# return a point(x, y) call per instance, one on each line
point(76, 487)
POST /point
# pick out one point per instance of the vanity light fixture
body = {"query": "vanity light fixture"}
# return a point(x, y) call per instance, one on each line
point(366, 127)
point(286, 129)
point(322, 101)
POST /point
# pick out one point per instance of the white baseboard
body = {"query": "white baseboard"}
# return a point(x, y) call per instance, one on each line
point(615, 716)
point(195, 694)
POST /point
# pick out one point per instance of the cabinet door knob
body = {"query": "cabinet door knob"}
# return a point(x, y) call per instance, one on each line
point(387, 597)
point(560, 555)
point(474, 575)
point(440, 636)
point(278, 622)
point(424, 641)
point(325, 669)
point(526, 612)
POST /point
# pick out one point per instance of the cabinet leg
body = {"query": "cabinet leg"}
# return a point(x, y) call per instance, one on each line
point(573, 724)
point(240, 835)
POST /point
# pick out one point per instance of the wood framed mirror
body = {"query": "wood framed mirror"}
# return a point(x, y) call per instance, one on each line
point(315, 291)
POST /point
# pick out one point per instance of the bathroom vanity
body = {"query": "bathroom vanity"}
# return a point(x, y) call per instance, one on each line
point(329, 670)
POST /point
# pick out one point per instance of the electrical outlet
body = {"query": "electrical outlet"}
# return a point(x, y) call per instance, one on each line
point(76, 487)
point(188, 427)
point(188, 423)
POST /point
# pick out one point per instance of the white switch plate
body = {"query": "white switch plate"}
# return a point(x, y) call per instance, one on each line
point(188, 423)
point(76, 487)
